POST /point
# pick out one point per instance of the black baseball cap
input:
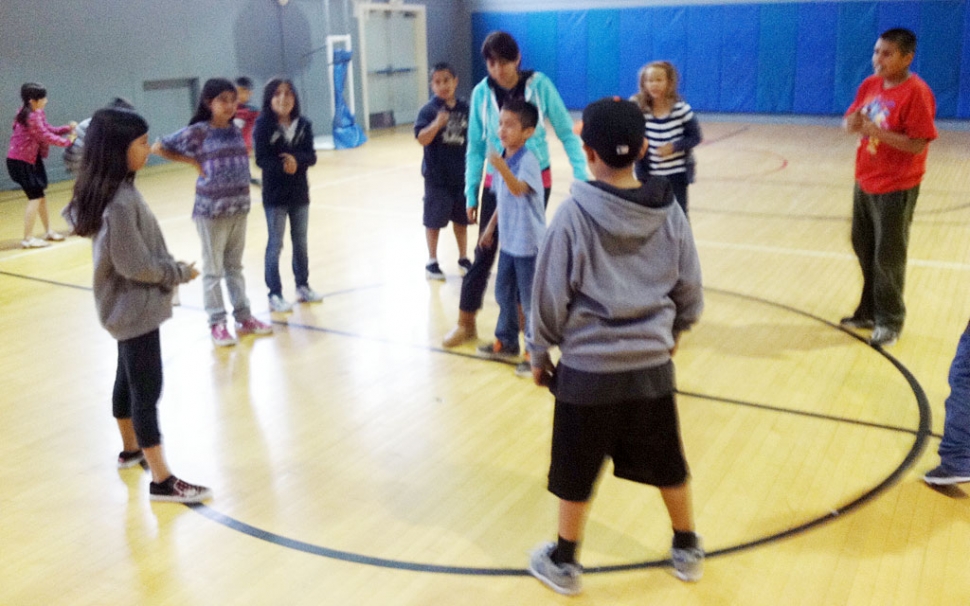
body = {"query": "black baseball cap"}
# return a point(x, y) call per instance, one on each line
point(615, 129)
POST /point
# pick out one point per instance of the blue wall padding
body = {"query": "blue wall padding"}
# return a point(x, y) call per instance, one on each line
point(602, 68)
point(636, 35)
point(541, 57)
point(702, 88)
point(776, 58)
point(739, 58)
point(943, 39)
point(814, 89)
point(855, 36)
point(963, 100)
point(799, 57)
point(571, 72)
point(670, 39)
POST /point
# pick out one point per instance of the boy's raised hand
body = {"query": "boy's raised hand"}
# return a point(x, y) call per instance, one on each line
point(496, 160)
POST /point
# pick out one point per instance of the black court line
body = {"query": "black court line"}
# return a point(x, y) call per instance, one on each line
point(922, 435)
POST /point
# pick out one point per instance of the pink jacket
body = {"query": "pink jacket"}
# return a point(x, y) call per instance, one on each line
point(27, 142)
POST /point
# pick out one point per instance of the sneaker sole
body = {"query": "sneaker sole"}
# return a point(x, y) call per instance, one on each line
point(948, 481)
point(131, 463)
point(164, 498)
point(440, 277)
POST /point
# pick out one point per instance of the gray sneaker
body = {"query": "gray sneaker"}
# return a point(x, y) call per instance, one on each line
point(305, 294)
point(561, 578)
point(884, 336)
point(688, 562)
point(279, 305)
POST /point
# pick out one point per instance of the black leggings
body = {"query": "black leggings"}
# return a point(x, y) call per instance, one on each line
point(138, 386)
point(475, 282)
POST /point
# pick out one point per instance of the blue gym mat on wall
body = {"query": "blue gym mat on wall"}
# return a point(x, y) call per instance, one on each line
point(799, 58)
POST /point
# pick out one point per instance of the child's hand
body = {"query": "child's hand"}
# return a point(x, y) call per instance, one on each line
point(198, 167)
point(543, 376)
point(495, 159)
point(487, 238)
point(289, 163)
point(853, 122)
point(443, 116)
point(665, 150)
point(193, 272)
point(472, 215)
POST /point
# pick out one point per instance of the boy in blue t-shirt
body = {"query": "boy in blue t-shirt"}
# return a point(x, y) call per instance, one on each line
point(442, 128)
point(521, 213)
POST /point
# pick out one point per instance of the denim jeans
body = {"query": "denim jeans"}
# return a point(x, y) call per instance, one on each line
point(880, 237)
point(223, 241)
point(276, 226)
point(475, 282)
point(955, 446)
point(513, 285)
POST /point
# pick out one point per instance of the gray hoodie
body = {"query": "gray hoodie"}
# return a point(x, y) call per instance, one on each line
point(615, 280)
point(133, 272)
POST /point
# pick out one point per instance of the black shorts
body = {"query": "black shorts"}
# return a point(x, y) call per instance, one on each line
point(32, 178)
point(443, 204)
point(641, 436)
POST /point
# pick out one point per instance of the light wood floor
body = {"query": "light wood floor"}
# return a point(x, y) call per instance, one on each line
point(356, 462)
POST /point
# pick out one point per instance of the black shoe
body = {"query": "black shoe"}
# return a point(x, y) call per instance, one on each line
point(433, 272)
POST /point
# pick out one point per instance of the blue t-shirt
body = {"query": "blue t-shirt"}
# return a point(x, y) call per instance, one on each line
point(444, 157)
point(521, 219)
point(223, 189)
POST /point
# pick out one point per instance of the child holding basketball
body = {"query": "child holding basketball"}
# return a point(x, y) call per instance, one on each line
point(672, 129)
point(215, 147)
point(134, 276)
point(29, 144)
point(617, 282)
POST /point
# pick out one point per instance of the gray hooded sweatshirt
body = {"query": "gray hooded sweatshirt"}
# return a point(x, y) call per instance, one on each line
point(134, 274)
point(615, 280)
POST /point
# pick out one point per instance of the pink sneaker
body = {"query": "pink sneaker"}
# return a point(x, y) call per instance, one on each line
point(221, 335)
point(252, 326)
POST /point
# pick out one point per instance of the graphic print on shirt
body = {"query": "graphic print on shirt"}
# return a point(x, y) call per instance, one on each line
point(877, 110)
point(455, 129)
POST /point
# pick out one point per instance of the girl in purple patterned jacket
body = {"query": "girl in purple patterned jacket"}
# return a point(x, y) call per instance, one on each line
point(29, 144)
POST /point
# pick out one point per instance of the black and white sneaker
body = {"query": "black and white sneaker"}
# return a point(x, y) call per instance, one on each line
point(174, 490)
point(433, 272)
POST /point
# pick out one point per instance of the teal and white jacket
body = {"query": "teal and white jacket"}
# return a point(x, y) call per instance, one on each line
point(483, 131)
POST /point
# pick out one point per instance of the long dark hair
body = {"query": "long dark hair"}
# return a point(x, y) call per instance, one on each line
point(270, 89)
point(30, 91)
point(210, 90)
point(104, 166)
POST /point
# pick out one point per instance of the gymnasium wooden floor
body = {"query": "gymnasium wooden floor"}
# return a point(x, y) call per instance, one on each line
point(356, 462)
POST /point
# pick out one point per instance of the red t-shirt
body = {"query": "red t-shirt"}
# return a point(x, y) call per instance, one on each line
point(907, 108)
point(247, 114)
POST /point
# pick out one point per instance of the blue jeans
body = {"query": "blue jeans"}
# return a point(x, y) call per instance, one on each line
point(223, 241)
point(955, 446)
point(276, 226)
point(513, 285)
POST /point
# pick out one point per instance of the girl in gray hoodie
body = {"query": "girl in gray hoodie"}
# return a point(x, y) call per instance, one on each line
point(134, 276)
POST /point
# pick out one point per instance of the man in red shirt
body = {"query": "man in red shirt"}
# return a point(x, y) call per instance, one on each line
point(893, 115)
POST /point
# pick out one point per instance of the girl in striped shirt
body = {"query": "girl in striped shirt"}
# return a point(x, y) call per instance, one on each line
point(672, 130)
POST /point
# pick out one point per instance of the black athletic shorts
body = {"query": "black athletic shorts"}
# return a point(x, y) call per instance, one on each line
point(32, 178)
point(642, 437)
point(443, 204)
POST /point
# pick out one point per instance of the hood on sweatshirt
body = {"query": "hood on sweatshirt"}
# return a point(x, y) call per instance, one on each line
point(625, 213)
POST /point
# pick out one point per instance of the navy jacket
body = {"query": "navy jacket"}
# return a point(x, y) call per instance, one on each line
point(279, 188)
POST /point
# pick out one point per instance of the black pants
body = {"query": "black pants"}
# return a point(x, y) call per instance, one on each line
point(138, 386)
point(880, 238)
point(475, 282)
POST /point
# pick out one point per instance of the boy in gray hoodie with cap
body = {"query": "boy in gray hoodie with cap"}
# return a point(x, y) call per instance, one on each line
point(617, 281)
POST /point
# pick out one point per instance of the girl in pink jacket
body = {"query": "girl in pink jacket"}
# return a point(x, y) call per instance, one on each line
point(29, 144)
